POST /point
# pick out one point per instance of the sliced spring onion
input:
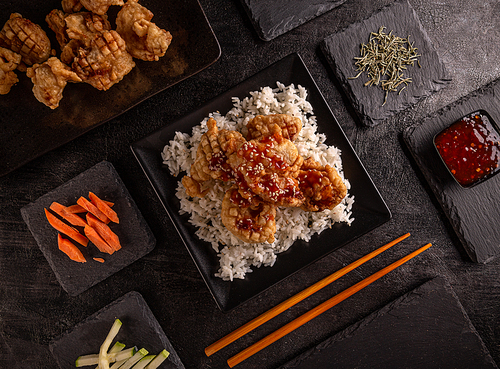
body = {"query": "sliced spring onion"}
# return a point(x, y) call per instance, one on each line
point(103, 352)
point(134, 359)
point(160, 358)
point(141, 364)
point(118, 364)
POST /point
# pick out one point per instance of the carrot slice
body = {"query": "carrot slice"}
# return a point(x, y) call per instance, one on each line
point(100, 260)
point(70, 249)
point(104, 231)
point(91, 208)
point(65, 228)
point(61, 210)
point(102, 206)
point(97, 240)
point(75, 209)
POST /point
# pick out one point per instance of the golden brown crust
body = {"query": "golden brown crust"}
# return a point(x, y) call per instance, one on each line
point(25, 38)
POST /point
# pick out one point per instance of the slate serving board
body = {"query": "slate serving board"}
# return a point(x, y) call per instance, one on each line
point(139, 328)
point(425, 328)
point(341, 48)
point(135, 235)
point(273, 18)
point(473, 212)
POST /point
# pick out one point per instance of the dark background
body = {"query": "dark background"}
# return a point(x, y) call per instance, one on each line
point(34, 309)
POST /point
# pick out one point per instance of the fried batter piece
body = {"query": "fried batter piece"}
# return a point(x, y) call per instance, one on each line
point(268, 167)
point(71, 6)
point(49, 80)
point(56, 22)
point(9, 61)
point(261, 126)
point(145, 40)
point(211, 154)
point(252, 222)
point(321, 185)
point(26, 38)
point(105, 62)
point(100, 6)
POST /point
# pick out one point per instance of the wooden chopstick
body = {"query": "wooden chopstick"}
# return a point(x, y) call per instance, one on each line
point(278, 309)
point(311, 314)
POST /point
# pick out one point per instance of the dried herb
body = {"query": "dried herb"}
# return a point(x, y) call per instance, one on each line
point(384, 58)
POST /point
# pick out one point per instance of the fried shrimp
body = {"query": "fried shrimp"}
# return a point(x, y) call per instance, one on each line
point(250, 221)
point(49, 80)
point(322, 186)
point(261, 126)
point(145, 40)
point(25, 38)
point(9, 61)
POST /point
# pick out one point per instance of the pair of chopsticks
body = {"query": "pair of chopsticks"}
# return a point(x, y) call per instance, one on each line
point(306, 317)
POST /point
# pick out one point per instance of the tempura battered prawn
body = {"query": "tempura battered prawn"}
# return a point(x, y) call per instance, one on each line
point(145, 40)
point(100, 6)
point(267, 167)
point(261, 126)
point(211, 158)
point(322, 186)
point(9, 61)
point(49, 80)
point(25, 38)
point(251, 221)
point(105, 62)
point(71, 6)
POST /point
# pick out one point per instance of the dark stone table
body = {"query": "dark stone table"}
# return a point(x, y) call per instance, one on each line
point(34, 309)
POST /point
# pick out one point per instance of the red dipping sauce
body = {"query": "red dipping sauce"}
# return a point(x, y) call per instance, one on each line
point(470, 148)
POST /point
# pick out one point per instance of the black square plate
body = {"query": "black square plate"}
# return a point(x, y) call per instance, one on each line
point(29, 129)
point(473, 212)
point(135, 235)
point(139, 328)
point(369, 209)
point(341, 48)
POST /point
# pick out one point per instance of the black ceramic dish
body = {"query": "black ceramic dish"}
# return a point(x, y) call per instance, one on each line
point(472, 212)
point(274, 18)
point(425, 328)
point(475, 157)
point(369, 209)
point(139, 328)
point(368, 101)
point(29, 129)
point(135, 235)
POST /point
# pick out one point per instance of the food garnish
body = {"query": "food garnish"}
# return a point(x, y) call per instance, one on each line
point(119, 356)
point(70, 249)
point(94, 229)
point(385, 58)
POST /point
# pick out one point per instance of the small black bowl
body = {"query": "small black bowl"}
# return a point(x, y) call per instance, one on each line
point(470, 148)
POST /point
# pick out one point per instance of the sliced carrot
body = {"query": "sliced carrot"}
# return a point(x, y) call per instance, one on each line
point(65, 228)
point(91, 208)
point(97, 240)
point(75, 209)
point(62, 211)
point(100, 260)
point(104, 231)
point(70, 249)
point(102, 206)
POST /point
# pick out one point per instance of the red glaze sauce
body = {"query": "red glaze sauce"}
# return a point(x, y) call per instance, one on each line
point(470, 148)
point(218, 162)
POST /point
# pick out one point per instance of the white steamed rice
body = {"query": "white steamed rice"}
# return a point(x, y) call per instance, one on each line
point(236, 257)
